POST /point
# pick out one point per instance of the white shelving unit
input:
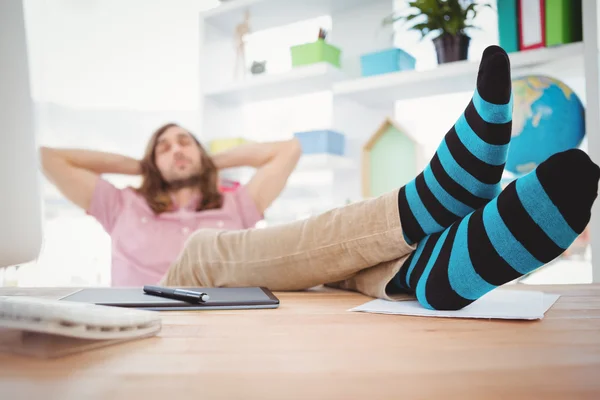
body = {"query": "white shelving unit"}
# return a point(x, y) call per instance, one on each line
point(224, 96)
point(311, 169)
point(310, 163)
point(360, 104)
point(319, 162)
point(591, 62)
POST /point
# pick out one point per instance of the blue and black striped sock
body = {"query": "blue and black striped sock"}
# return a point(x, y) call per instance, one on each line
point(465, 172)
point(533, 221)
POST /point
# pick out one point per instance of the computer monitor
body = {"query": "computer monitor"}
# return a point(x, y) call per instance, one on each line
point(20, 192)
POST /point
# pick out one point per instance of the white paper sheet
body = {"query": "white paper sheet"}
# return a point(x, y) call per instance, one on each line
point(498, 304)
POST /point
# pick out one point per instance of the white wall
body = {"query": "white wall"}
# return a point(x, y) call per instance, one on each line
point(106, 73)
point(134, 54)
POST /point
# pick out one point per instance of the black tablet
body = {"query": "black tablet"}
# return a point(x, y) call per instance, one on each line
point(220, 299)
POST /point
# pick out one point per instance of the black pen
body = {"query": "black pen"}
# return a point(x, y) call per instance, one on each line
point(177, 294)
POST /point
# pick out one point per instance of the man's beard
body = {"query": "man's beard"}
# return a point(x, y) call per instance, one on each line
point(192, 181)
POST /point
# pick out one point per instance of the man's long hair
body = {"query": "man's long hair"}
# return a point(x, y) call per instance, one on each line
point(156, 190)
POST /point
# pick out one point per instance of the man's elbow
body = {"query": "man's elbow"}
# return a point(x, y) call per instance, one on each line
point(45, 153)
point(50, 161)
point(295, 149)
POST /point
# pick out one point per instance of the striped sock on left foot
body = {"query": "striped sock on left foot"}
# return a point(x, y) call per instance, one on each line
point(465, 172)
point(533, 221)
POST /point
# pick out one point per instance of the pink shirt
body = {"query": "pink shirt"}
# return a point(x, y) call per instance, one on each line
point(144, 245)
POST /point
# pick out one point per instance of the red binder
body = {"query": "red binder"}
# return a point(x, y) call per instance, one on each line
point(532, 29)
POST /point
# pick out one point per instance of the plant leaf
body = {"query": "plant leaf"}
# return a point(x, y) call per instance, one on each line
point(404, 18)
point(423, 28)
point(420, 27)
point(470, 8)
point(454, 26)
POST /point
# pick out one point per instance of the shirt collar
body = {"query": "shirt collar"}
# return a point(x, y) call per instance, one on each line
point(190, 206)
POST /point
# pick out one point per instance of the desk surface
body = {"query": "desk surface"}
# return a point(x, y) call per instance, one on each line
point(312, 348)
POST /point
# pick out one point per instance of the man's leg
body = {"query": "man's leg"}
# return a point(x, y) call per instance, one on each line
point(330, 247)
point(528, 225)
point(375, 281)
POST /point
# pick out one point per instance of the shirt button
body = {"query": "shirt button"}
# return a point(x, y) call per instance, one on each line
point(220, 224)
point(185, 230)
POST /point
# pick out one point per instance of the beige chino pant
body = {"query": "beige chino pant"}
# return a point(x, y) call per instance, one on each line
point(358, 247)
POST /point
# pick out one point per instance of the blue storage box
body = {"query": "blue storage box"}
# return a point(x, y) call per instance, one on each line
point(321, 141)
point(385, 61)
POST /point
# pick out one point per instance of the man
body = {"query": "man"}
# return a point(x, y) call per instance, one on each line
point(179, 194)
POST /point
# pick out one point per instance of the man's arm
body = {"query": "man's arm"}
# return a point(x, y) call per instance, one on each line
point(275, 162)
point(75, 172)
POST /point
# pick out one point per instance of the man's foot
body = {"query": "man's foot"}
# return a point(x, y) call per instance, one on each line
point(465, 172)
point(533, 221)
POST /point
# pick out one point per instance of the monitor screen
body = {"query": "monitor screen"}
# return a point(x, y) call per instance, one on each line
point(20, 198)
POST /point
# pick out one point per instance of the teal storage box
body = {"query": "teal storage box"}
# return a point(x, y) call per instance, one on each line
point(321, 141)
point(386, 61)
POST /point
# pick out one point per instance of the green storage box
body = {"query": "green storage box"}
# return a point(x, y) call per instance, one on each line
point(563, 22)
point(316, 52)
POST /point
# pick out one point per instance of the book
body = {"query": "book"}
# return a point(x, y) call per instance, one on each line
point(532, 30)
point(508, 25)
point(563, 21)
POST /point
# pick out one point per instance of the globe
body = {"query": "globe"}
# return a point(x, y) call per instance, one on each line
point(548, 118)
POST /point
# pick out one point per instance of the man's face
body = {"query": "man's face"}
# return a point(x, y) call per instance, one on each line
point(177, 155)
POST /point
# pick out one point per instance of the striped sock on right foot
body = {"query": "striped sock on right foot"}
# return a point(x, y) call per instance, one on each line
point(533, 221)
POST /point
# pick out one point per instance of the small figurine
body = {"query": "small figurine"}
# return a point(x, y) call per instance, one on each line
point(241, 30)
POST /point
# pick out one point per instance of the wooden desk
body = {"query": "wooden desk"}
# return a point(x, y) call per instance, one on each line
point(312, 348)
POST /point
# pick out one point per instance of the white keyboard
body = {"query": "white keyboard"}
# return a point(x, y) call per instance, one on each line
point(81, 320)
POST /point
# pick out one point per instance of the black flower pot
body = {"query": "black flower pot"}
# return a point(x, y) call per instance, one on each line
point(451, 48)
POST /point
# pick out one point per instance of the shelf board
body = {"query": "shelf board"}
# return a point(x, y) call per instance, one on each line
point(323, 162)
point(303, 175)
point(381, 90)
point(265, 14)
point(298, 81)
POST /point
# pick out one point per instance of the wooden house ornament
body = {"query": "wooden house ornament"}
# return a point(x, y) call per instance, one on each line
point(391, 158)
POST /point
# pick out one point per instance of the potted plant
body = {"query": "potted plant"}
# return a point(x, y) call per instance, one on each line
point(447, 19)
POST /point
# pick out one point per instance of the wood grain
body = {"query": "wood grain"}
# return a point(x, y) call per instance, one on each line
point(312, 348)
